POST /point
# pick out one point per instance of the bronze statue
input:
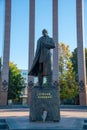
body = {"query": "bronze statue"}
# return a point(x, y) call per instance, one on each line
point(42, 61)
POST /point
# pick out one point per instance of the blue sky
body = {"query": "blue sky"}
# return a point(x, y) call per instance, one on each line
point(43, 19)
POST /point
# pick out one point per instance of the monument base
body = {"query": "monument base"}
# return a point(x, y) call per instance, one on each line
point(44, 104)
point(83, 98)
point(3, 98)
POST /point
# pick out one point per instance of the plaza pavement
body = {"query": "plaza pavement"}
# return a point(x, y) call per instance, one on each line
point(72, 118)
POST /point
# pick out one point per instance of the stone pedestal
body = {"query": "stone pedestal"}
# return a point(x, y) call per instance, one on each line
point(44, 100)
point(3, 98)
point(3, 94)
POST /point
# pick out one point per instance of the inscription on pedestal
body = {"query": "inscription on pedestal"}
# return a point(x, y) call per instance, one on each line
point(44, 95)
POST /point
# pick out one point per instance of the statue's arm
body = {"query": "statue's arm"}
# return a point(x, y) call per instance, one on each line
point(50, 44)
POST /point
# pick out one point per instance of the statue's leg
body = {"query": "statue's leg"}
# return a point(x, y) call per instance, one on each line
point(49, 76)
point(40, 78)
point(40, 75)
point(49, 79)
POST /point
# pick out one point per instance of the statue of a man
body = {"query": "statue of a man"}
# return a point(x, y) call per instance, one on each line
point(42, 61)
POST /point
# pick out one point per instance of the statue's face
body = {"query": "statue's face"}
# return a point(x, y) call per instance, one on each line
point(44, 32)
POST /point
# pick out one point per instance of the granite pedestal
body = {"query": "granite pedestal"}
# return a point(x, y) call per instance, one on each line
point(44, 102)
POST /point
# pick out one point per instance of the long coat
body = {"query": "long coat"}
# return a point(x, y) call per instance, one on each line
point(43, 55)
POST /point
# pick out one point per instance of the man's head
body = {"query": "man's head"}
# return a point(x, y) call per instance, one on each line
point(44, 32)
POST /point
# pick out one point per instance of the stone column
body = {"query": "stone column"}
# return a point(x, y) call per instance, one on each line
point(31, 41)
point(6, 53)
point(55, 37)
point(81, 53)
point(55, 51)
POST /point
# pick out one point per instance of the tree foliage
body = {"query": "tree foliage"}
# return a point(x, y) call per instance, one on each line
point(15, 82)
point(0, 64)
point(86, 60)
point(0, 70)
point(68, 85)
point(75, 62)
point(64, 56)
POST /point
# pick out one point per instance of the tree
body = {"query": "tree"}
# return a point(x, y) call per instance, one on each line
point(15, 82)
point(86, 60)
point(0, 64)
point(68, 85)
point(64, 56)
point(0, 71)
point(75, 62)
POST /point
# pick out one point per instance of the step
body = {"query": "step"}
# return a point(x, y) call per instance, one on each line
point(3, 124)
point(85, 125)
point(2, 120)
